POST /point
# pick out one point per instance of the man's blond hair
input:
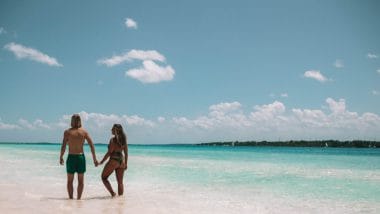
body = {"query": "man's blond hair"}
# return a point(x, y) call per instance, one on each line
point(76, 121)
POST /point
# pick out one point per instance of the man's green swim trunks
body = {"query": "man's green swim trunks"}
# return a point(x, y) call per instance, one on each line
point(76, 163)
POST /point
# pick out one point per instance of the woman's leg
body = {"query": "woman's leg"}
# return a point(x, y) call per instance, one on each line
point(119, 178)
point(108, 169)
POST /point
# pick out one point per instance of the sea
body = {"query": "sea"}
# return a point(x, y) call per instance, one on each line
point(197, 179)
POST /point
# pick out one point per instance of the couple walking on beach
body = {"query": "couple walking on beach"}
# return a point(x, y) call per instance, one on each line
point(74, 137)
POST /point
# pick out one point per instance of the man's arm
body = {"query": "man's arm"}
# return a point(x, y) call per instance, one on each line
point(91, 144)
point(63, 147)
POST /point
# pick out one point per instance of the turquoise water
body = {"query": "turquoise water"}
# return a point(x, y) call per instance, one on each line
point(315, 175)
point(349, 174)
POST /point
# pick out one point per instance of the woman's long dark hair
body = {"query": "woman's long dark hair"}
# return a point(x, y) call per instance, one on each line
point(120, 137)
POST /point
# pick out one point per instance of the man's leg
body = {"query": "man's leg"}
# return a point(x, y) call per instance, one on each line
point(80, 185)
point(70, 178)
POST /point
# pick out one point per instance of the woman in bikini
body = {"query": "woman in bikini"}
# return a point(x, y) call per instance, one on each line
point(117, 162)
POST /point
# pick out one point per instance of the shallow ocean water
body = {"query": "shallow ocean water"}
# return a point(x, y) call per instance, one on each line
point(198, 179)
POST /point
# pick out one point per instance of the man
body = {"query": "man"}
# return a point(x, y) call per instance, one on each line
point(76, 162)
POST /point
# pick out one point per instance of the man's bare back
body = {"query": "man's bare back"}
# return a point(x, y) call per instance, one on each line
point(75, 139)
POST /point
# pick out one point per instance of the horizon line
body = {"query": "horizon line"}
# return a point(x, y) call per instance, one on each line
point(199, 143)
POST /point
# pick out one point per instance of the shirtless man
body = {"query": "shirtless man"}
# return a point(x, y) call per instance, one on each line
point(76, 162)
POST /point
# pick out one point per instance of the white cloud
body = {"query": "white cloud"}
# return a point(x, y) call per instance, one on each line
point(338, 63)
point(336, 106)
point(146, 55)
point(38, 123)
point(26, 124)
point(267, 112)
point(151, 72)
point(310, 118)
point(93, 120)
point(2, 31)
point(183, 121)
point(225, 107)
point(272, 120)
point(161, 119)
point(6, 126)
point(315, 75)
point(223, 114)
point(114, 60)
point(63, 123)
point(22, 52)
point(130, 23)
point(374, 92)
point(378, 71)
point(103, 120)
point(136, 120)
point(131, 55)
point(212, 121)
point(220, 115)
point(273, 95)
point(228, 121)
point(372, 56)
point(340, 120)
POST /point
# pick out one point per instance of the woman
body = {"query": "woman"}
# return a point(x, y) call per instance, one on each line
point(116, 161)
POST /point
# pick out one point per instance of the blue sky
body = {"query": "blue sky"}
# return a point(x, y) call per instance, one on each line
point(190, 71)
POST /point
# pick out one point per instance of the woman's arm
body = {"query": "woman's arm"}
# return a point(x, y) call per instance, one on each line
point(126, 155)
point(110, 150)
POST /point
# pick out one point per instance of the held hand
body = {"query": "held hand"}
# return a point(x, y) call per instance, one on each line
point(61, 161)
point(96, 163)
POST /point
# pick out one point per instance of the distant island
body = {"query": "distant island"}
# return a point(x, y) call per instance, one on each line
point(300, 143)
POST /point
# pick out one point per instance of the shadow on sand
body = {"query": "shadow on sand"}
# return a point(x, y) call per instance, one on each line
point(83, 199)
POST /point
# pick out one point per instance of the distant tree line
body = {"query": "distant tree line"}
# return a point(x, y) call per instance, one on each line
point(300, 143)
